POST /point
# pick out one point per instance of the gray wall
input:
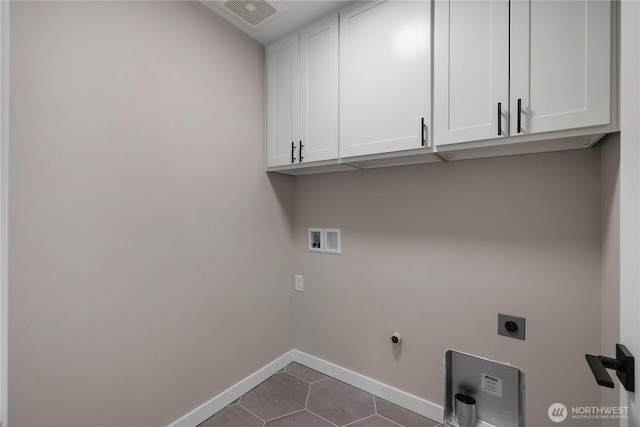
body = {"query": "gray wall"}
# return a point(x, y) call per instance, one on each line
point(437, 251)
point(149, 265)
point(610, 158)
point(151, 257)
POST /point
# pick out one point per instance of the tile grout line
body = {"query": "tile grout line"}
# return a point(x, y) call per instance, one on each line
point(323, 418)
point(297, 377)
point(391, 421)
point(375, 412)
point(306, 402)
point(375, 406)
point(263, 421)
point(302, 379)
point(361, 419)
point(286, 415)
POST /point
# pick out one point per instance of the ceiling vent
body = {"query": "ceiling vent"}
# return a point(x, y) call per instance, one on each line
point(251, 13)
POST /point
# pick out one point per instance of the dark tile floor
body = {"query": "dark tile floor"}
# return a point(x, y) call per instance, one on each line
point(301, 397)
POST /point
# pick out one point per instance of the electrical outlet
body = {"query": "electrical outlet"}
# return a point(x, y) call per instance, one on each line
point(511, 326)
point(299, 286)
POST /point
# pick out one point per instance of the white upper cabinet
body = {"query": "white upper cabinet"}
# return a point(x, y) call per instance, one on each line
point(560, 65)
point(543, 68)
point(390, 82)
point(471, 71)
point(302, 96)
point(385, 81)
point(282, 98)
point(319, 92)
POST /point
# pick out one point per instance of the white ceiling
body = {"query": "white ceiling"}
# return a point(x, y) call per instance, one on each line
point(298, 14)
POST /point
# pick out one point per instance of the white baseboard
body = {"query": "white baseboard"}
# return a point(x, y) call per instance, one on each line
point(384, 391)
point(399, 397)
point(214, 405)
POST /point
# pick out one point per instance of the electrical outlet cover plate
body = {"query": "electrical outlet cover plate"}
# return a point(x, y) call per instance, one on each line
point(299, 283)
point(504, 319)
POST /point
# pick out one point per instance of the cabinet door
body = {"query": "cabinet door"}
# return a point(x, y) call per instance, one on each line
point(471, 70)
point(560, 64)
point(282, 101)
point(384, 77)
point(319, 92)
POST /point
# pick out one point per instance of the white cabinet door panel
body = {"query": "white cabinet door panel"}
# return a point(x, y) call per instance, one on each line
point(384, 77)
point(471, 70)
point(560, 64)
point(319, 91)
point(282, 93)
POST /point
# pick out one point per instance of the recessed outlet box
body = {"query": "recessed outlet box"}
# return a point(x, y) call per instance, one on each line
point(325, 240)
point(316, 239)
point(332, 239)
point(511, 326)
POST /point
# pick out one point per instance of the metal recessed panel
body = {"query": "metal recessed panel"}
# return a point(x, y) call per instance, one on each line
point(497, 388)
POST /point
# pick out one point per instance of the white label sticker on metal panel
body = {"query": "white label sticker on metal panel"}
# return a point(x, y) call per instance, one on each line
point(490, 384)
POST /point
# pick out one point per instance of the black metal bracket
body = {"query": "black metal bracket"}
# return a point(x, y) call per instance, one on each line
point(622, 364)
